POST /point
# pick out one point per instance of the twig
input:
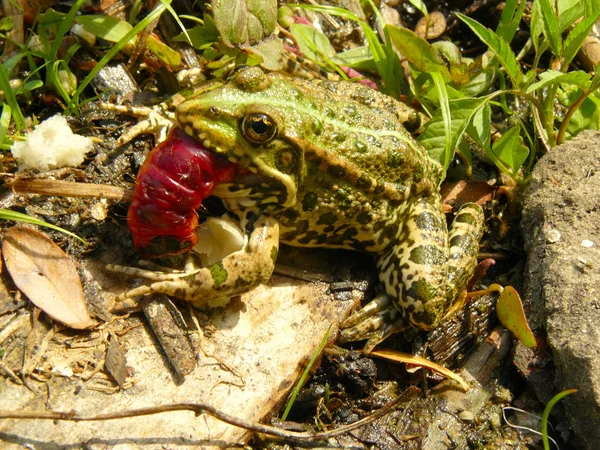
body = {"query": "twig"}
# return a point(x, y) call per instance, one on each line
point(4, 368)
point(17, 323)
point(70, 189)
point(200, 408)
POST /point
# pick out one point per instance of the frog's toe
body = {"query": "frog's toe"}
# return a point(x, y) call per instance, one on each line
point(375, 322)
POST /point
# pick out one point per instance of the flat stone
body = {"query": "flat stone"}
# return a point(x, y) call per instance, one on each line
point(249, 361)
point(561, 230)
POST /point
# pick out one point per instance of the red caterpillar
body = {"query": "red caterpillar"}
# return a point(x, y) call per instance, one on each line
point(172, 183)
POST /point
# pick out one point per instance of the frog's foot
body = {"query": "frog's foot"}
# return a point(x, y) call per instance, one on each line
point(235, 274)
point(164, 282)
point(375, 322)
point(158, 120)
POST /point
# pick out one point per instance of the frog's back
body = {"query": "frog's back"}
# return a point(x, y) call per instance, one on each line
point(359, 128)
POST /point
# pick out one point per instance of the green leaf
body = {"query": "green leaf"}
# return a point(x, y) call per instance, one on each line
point(50, 20)
point(587, 116)
point(64, 26)
point(105, 27)
point(578, 78)
point(271, 52)
point(591, 6)
point(201, 37)
point(509, 151)
point(510, 19)
point(550, 26)
point(7, 24)
point(479, 128)
point(420, 53)
point(244, 22)
point(165, 53)
point(312, 42)
point(535, 26)
point(357, 58)
point(509, 309)
point(447, 119)
point(434, 137)
point(305, 374)
point(568, 12)
point(4, 121)
point(419, 5)
point(576, 37)
point(479, 81)
point(499, 47)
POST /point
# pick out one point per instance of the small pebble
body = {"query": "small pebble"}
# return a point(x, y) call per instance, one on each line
point(553, 236)
point(466, 416)
point(587, 244)
point(99, 211)
point(431, 27)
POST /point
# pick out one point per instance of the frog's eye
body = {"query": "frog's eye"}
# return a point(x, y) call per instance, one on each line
point(258, 128)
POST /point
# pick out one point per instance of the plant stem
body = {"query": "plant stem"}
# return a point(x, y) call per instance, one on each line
point(560, 138)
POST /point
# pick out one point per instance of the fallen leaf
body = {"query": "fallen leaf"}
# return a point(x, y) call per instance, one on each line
point(407, 358)
point(461, 192)
point(43, 272)
point(509, 309)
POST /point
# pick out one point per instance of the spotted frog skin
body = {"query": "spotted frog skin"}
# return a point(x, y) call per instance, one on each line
point(328, 164)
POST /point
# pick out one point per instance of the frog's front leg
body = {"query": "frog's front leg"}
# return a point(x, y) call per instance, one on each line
point(423, 273)
point(235, 274)
point(157, 120)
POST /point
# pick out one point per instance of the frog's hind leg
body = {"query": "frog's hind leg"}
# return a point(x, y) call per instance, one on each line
point(378, 319)
point(463, 239)
point(423, 273)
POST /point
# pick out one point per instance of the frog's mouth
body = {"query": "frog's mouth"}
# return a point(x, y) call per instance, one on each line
point(248, 190)
point(176, 178)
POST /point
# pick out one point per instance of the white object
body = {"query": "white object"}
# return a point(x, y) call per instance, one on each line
point(218, 237)
point(50, 145)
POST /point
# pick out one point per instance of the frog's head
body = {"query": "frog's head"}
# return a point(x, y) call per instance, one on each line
point(250, 121)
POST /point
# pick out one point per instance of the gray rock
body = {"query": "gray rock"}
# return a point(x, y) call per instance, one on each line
point(561, 229)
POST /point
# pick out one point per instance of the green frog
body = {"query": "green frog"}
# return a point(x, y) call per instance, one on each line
point(327, 164)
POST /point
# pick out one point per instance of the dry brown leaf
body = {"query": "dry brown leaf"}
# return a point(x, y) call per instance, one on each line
point(461, 192)
point(43, 272)
point(406, 358)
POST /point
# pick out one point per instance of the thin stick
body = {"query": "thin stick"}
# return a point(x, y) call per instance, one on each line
point(70, 189)
point(199, 408)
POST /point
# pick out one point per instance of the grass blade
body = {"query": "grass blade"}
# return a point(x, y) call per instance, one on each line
point(4, 122)
point(64, 27)
point(155, 14)
point(304, 376)
point(7, 214)
point(385, 58)
point(11, 99)
point(546, 414)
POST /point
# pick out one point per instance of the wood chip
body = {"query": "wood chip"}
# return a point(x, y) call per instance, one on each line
point(116, 362)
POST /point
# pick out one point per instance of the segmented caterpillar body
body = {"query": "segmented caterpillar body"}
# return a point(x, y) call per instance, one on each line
point(171, 185)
